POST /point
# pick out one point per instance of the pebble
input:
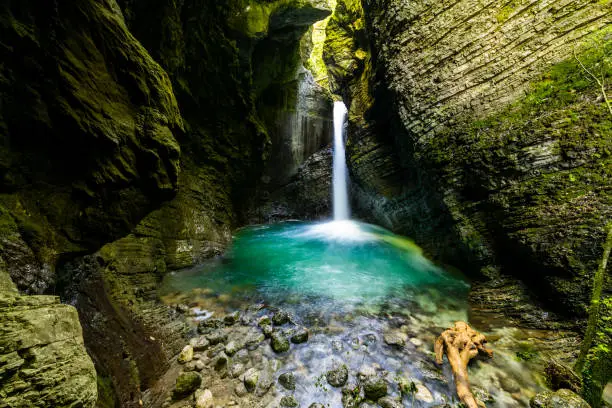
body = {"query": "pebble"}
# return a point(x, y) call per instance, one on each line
point(395, 338)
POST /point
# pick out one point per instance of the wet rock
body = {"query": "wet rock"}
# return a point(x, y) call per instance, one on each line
point(281, 317)
point(250, 379)
point(289, 401)
point(287, 380)
point(232, 348)
point(267, 330)
point(199, 365)
point(221, 362)
point(374, 388)
point(369, 339)
point(422, 393)
point(482, 394)
point(186, 383)
point(264, 321)
point(204, 399)
point(231, 318)
point(186, 355)
point(216, 337)
point(182, 308)
point(338, 376)
point(388, 402)
point(199, 343)
point(266, 378)
point(236, 370)
point(430, 372)
point(416, 342)
point(316, 405)
point(395, 338)
point(279, 342)
point(215, 350)
point(366, 371)
point(350, 396)
point(253, 339)
point(300, 336)
point(209, 325)
point(561, 399)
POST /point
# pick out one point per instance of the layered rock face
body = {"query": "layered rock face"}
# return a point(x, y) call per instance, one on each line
point(43, 361)
point(96, 158)
point(497, 139)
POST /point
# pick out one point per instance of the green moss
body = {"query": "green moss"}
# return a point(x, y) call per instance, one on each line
point(506, 11)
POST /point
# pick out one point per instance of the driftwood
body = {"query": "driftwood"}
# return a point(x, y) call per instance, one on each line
point(461, 344)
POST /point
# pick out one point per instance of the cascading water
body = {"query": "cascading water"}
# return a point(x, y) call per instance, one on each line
point(340, 174)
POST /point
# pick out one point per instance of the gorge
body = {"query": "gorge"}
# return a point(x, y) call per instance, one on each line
point(156, 158)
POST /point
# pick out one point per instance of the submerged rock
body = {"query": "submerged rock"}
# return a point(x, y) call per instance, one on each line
point(338, 376)
point(289, 402)
point(287, 380)
point(186, 383)
point(388, 402)
point(395, 338)
point(374, 388)
point(281, 317)
point(300, 336)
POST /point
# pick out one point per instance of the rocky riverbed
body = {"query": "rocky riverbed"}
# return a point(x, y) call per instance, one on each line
point(257, 355)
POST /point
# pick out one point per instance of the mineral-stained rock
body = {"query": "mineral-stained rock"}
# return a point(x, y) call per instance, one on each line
point(44, 362)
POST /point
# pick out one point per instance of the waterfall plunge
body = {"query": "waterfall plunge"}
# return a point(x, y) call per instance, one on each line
point(340, 174)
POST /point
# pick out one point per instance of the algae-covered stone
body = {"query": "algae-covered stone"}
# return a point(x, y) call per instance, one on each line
point(281, 317)
point(289, 401)
point(279, 342)
point(375, 388)
point(186, 383)
point(563, 398)
point(337, 376)
point(287, 380)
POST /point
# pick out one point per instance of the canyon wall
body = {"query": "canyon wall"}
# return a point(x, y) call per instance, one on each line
point(132, 136)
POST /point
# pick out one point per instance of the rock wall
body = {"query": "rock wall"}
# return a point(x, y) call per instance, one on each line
point(481, 128)
point(106, 186)
point(43, 361)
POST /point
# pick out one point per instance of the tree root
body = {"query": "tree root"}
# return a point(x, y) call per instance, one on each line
point(461, 344)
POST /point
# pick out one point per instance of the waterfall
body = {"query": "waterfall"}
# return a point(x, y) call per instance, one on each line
point(340, 174)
